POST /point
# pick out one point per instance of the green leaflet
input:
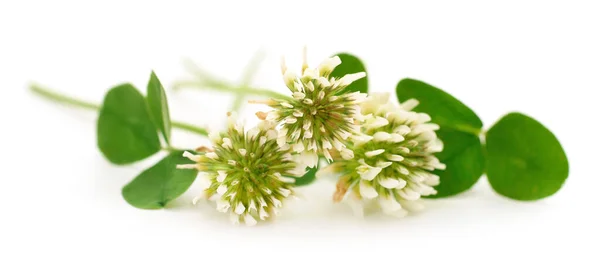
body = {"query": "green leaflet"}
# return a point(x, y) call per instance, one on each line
point(158, 106)
point(351, 64)
point(159, 184)
point(459, 131)
point(125, 131)
point(525, 160)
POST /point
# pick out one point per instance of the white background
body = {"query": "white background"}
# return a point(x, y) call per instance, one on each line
point(61, 198)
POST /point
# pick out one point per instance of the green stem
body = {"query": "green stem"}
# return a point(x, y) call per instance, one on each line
point(61, 98)
point(189, 128)
point(232, 89)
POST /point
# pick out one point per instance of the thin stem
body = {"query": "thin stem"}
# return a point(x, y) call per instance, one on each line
point(189, 128)
point(61, 98)
point(229, 88)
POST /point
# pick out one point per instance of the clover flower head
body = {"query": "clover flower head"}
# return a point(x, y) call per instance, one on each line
point(319, 116)
point(393, 158)
point(249, 172)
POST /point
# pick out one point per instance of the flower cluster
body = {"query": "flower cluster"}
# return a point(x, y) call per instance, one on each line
point(249, 173)
point(394, 155)
point(319, 116)
point(382, 151)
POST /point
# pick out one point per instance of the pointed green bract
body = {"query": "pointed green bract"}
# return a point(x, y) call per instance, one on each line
point(525, 160)
point(459, 131)
point(351, 64)
point(159, 184)
point(308, 178)
point(158, 106)
point(125, 131)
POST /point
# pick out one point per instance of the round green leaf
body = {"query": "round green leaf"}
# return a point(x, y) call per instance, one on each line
point(464, 159)
point(351, 64)
point(161, 183)
point(158, 106)
point(525, 160)
point(125, 131)
point(444, 109)
point(459, 131)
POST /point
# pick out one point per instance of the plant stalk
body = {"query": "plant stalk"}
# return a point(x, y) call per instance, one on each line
point(64, 99)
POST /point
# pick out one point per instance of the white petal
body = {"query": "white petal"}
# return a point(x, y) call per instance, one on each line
point(227, 143)
point(298, 113)
point(381, 137)
point(253, 132)
point(307, 101)
point(284, 192)
point(262, 201)
point(335, 167)
point(276, 202)
point(272, 115)
point(349, 78)
point(394, 157)
point(271, 134)
point(298, 95)
point(401, 183)
point(221, 176)
point(249, 220)
point(262, 140)
point(215, 137)
point(187, 166)
point(223, 205)
point(327, 145)
point(263, 214)
point(356, 204)
point(327, 156)
point(367, 191)
point(389, 183)
point(409, 194)
point(370, 173)
point(252, 206)
point(242, 152)
point(309, 159)
point(409, 104)
point(222, 189)
point(389, 204)
point(310, 86)
point(383, 165)
point(396, 138)
point(412, 205)
point(291, 120)
point(402, 130)
point(338, 145)
point(432, 180)
point(298, 147)
point(191, 156)
point(347, 154)
point(212, 155)
point(374, 152)
point(327, 66)
point(286, 104)
point(240, 208)
point(235, 219)
point(377, 122)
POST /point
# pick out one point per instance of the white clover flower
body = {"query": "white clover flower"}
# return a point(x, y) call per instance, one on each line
point(393, 158)
point(249, 172)
point(318, 117)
